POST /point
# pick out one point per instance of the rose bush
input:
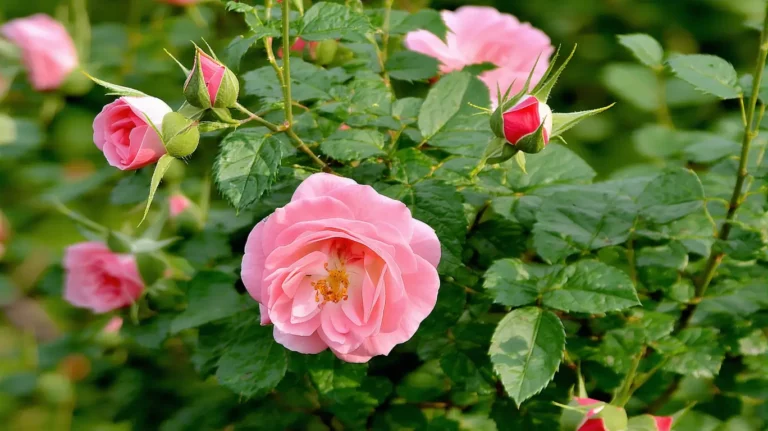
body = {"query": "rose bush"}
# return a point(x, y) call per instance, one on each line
point(377, 215)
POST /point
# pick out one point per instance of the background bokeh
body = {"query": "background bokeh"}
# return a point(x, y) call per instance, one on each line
point(128, 39)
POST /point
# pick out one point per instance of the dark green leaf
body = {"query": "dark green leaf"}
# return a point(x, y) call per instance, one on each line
point(411, 66)
point(702, 354)
point(426, 19)
point(247, 165)
point(354, 144)
point(590, 287)
point(526, 350)
point(332, 21)
point(211, 296)
point(672, 195)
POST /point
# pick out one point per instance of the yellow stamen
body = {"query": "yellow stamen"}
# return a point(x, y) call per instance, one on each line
point(334, 287)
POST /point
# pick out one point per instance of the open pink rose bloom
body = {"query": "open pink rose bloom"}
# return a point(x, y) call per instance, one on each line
point(123, 133)
point(100, 280)
point(478, 34)
point(342, 267)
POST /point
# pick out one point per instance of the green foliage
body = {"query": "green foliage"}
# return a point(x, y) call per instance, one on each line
point(708, 73)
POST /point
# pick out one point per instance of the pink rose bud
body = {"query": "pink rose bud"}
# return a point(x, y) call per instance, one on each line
point(344, 127)
point(601, 416)
point(211, 84)
point(342, 267)
point(178, 203)
point(47, 50)
point(5, 233)
point(100, 280)
point(114, 325)
point(527, 124)
point(299, 46)
point(481, 34)
point(122, 132)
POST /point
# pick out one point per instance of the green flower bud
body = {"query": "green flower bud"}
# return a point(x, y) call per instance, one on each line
point(180, 135)
point(325, 52)
point(211, 84)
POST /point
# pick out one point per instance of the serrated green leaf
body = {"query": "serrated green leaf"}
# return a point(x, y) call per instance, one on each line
point(332, 21)
point(247, 165)
point(670, 196)
point(211, 296)
point(591, 287)
point(511, 282)
point(632, 83)
point(254, 364)
point(618, 349)
point(411, 66)
point(328, 373)
point(644, 47)
point(354, 144)
point(526, 350)
point(410, 165)
point(582, 219)
point(553, 165)
point(160, 168)
point(745, 242)
point(564, 121)
point(447, 120)
point(708, 73)
point(702, 354)
point(424, 19)
point(308, 82)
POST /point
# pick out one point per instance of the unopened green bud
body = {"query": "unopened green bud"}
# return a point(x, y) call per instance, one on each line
point(180, 135)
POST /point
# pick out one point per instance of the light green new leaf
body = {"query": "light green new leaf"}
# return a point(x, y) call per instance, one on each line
point(670, 196)
point(353, 144)
point(564, 121)
point(644, 47)
point(526, 350)
point(247, 165)
point(590, 287)
point(160, 168)
point(328, 373)
point(708, 73)
point(332, 21)
point(411, 66)
point(117, 90)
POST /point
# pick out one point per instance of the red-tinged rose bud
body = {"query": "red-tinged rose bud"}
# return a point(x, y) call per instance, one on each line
point(600, 416)
point(663, 423)
point(344, 127)
point(178, 203)
point(186, 216)
point(527, 124)
point(301, 46)
point(5, 233)
point(211, 84)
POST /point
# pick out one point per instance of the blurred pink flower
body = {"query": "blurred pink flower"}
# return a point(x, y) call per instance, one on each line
point(114, 325)
point(178, 204)
point(663, 423)
point(122, 132)
point(47, 50)
point(5, 233)
point(100, 280)
point(299, 46)
point(180, 2)
point(342, 267)
point(478, 34)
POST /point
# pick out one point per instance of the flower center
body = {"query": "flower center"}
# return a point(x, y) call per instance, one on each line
point(334, 286)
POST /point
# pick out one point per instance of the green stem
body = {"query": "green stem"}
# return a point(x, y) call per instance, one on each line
point(253, 117)
point(287, 64)
point(750, 133)
point(625, 391)
point(385, 28)
point(662, 112)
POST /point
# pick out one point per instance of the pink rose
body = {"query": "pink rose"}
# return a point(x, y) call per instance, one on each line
point(525, 118)
point(663, 423)
point(122, 132)
point(178, 204)
point(47, 50)
point(99, 279)
point(480, 34)
point(342, 267)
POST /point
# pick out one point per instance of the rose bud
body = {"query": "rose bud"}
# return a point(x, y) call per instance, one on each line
point(648, 422)
point(5, 233)
point(344, 268)
point(47, 50)
point(123, 132)
point(211, 84)
point(185, 214)
point(300, 46)
point(526, 124)
point(180, 135)
point(593, 415)
point(100, 280)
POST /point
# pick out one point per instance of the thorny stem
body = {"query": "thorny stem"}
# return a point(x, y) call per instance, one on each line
point(295, 139)
point(268, 46)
